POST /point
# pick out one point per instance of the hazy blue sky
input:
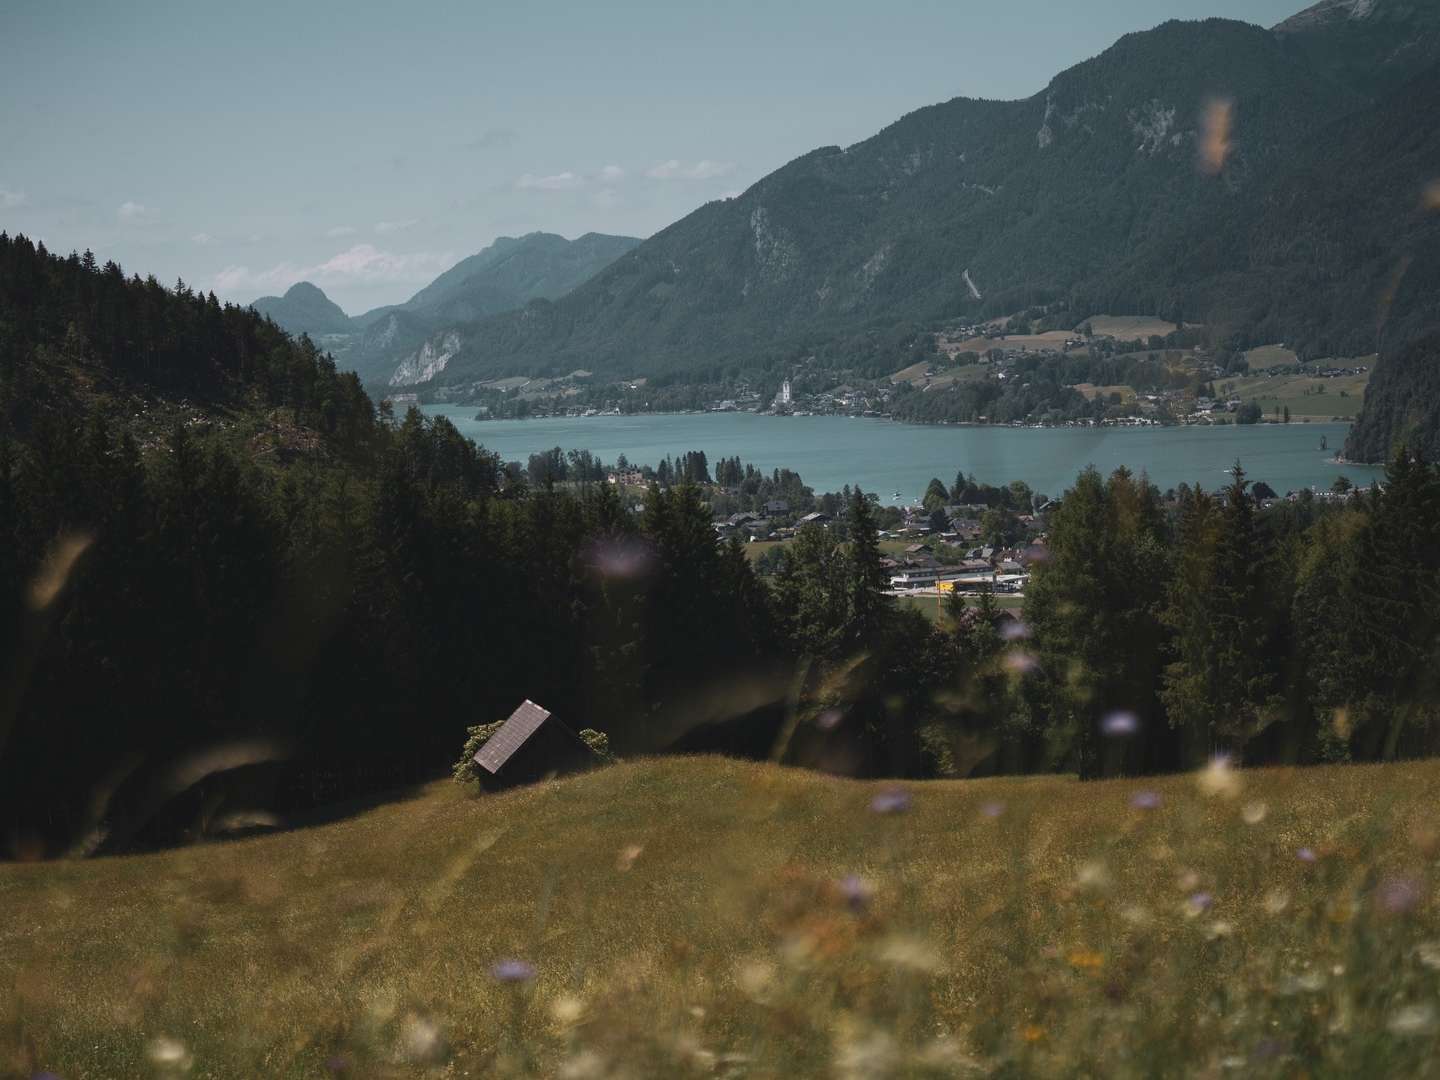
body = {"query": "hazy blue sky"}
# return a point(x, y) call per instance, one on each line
point(368, 146)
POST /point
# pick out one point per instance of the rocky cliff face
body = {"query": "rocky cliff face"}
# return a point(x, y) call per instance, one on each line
point(428, 362)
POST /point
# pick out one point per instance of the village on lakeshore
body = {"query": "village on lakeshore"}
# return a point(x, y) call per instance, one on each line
point(1003, 372)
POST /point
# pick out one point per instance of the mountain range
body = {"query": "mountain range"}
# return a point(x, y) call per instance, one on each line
point(1266, 183)
point(504, 276)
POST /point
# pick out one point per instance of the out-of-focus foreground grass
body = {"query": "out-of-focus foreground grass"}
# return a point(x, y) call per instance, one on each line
point(709, 917)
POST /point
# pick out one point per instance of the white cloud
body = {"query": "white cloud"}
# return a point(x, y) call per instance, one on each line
point(341, 230)
point(9, 200)
point(202, 238)
point(700, 170)
point(709, 170)
point(385, 228)
point(134, 213)
point(564, 181)
point(611, 174)
point(361, 264)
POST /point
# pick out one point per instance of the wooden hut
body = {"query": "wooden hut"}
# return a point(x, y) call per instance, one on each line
point(530, 746)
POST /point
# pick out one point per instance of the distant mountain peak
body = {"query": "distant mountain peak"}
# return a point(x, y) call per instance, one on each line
point(1328, 12)
point(304, 290)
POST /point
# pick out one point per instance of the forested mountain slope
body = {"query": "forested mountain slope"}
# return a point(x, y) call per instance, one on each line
point(1089, 196)
point(504, 276)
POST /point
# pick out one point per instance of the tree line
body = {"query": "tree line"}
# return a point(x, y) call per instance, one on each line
point(192, 629)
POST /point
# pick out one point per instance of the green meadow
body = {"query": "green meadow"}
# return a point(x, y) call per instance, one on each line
point(707, 917)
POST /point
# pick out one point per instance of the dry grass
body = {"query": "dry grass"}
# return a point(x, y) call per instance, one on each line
point(1089, 391)
point(1131, 327)
point(693, 917)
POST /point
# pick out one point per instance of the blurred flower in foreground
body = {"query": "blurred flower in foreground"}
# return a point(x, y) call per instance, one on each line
point(1120, 725)
point(626, 859)
point(992, 810)
point(420, 1040)
point(1276, 901)
point(168, 1053)
point(1306, 855)
point(1020, 663)
point(910, 953)
point(1428, 953)
point(567, 1009)
point(1216, 124)
point(1219, 778)
point(621, 558)
point(1015, 630)
point(1414, 1020)
point(856, 892)
point(891, 801)
point(829, 720)
point(1398, 895)
point(1254, 813)
point(1199, 903)
point(513, 971)
point(1146, 800)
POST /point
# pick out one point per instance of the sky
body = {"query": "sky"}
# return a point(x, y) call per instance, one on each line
point(367, 146)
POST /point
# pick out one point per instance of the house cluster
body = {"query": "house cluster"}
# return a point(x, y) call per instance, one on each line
point(920, 569)
point(749, 525)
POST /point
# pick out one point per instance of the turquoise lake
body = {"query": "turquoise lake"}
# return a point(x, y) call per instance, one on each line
point(885, 457)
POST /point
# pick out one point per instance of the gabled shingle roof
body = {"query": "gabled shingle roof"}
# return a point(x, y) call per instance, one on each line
point(500, 747)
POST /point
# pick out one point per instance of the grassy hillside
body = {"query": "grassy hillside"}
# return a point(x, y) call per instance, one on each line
point(708, 917)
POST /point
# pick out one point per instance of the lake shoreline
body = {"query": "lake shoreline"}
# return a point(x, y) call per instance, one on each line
point(887, 456)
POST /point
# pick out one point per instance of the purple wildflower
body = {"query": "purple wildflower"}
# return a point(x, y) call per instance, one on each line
point(1201, 901)
point(1398, 895)
point(992, 809)
point(829, 720)
point(856, 891)
point(1015, 630)
point(1145, 800)
point(1307, 855)
point(513, 971)
point(891, 801)
point(1119, 725)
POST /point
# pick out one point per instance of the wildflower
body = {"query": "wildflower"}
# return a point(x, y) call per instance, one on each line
point(512, 971)
point(1093, 875)
point(992, 810)
point(169, 1053)
point(1399, 895)
point(873, 1054)
point(1428, 953)
point(856, 892)
point(1413, 1020)
point(911, 954)
point(1219, 929)
point(1198, 903)
point(1254, 813)
point(1120, 725)
point(420, 1040)
point(1276, 901)
point(1306, 855)
point(1032, 1033)
point(567, 1009)
point(891, 801)
point(626, 859)
point(1146, 800)
point(755, 977)
point(829, 720)
point(1219, 778)
point(1086, 960)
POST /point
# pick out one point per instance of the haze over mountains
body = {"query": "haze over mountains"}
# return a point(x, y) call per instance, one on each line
point(506, 275)
point(1266, 183)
